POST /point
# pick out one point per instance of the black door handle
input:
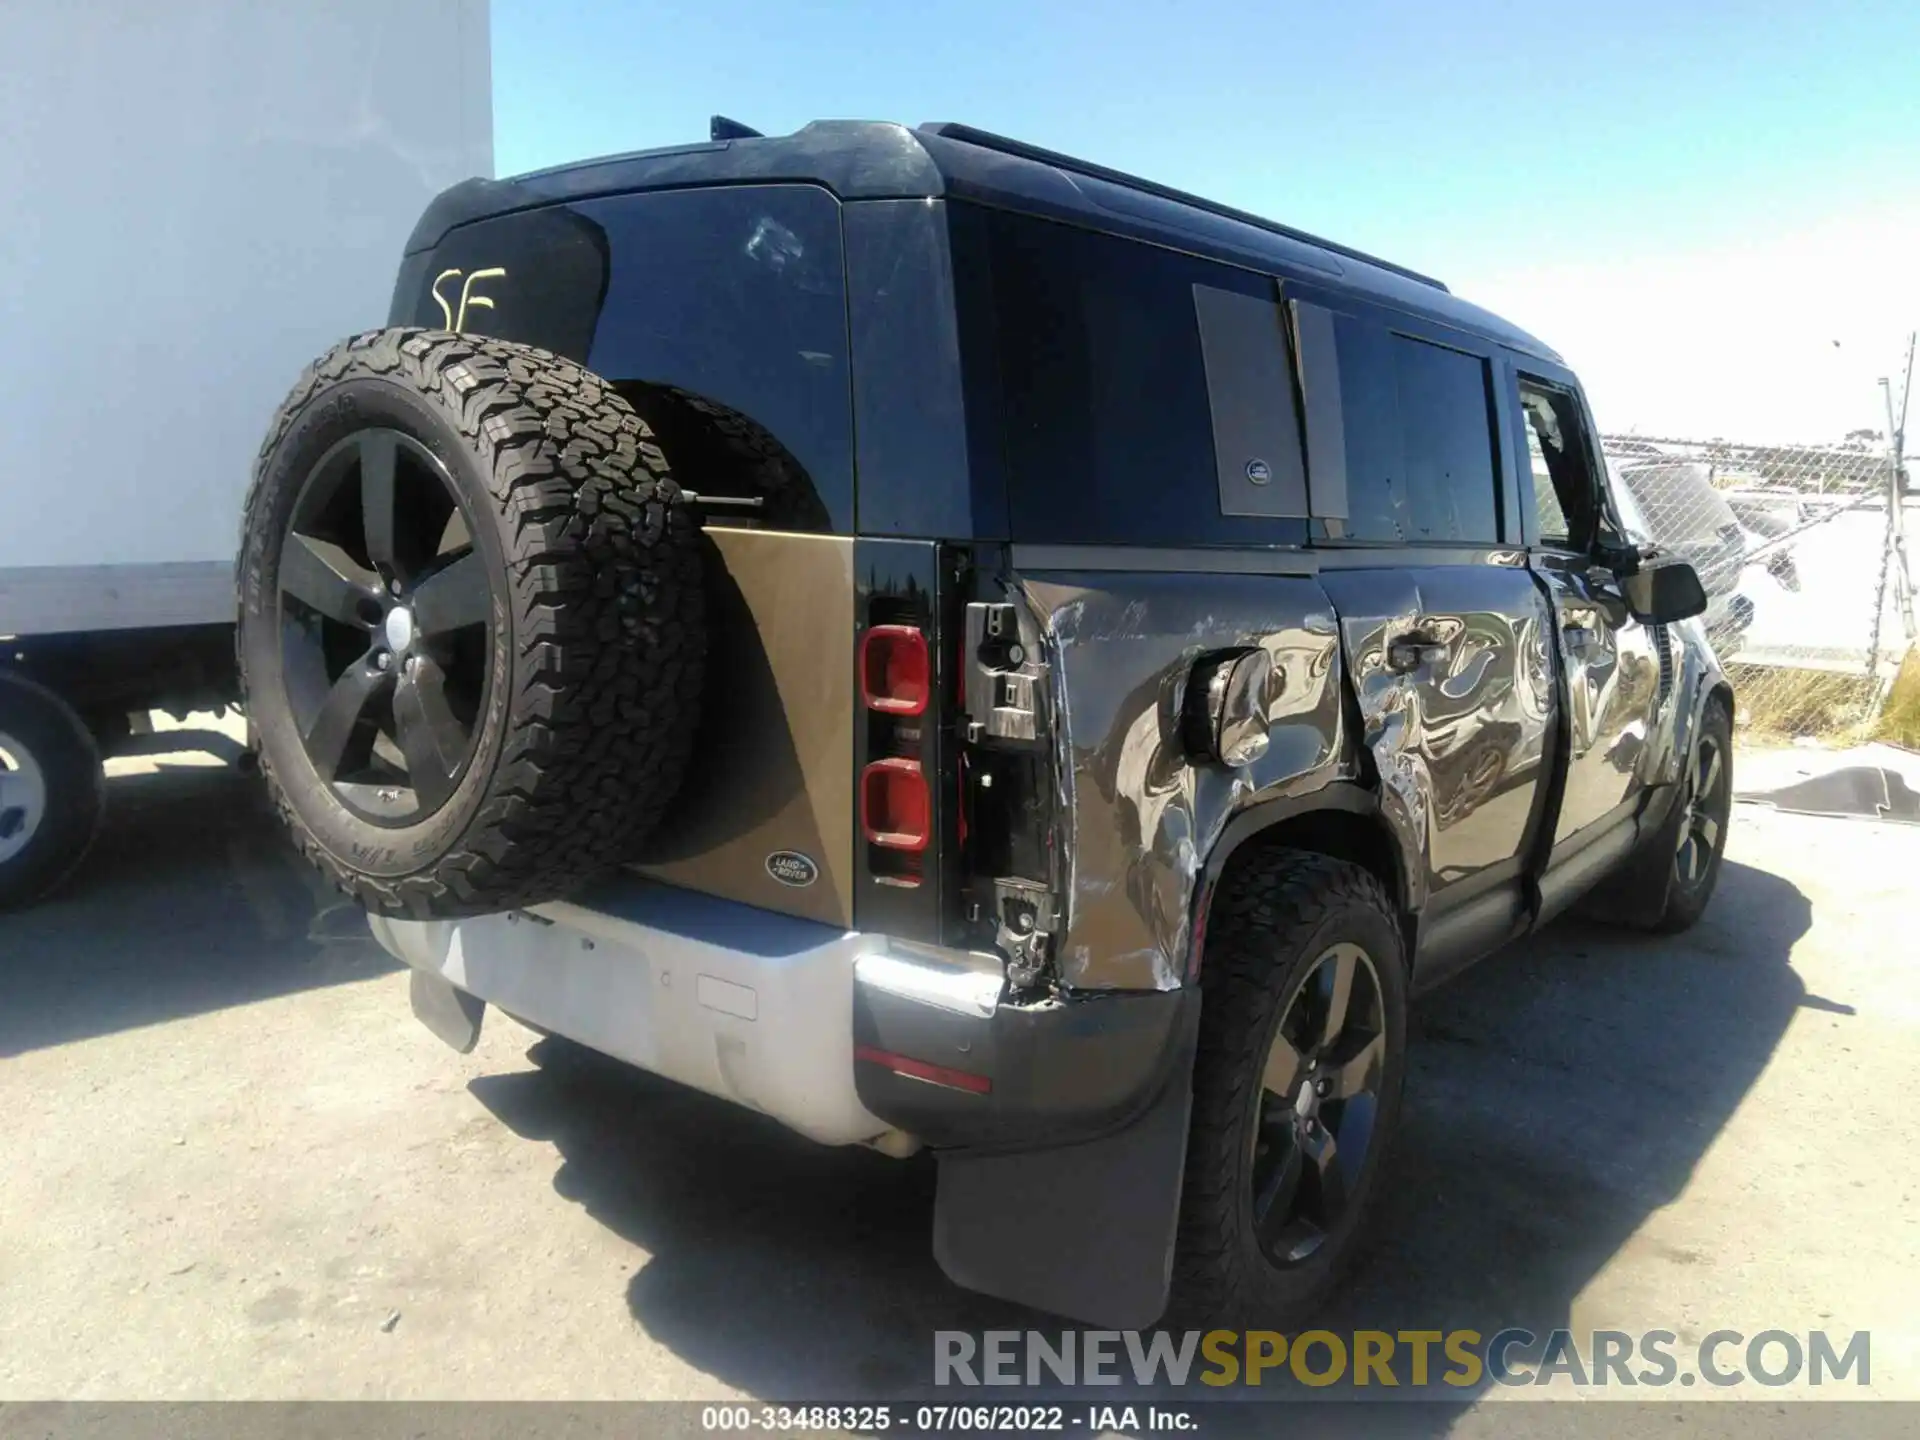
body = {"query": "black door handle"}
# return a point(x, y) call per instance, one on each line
point(1409, 652)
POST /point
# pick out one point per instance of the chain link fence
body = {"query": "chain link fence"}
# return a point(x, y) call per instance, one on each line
point(1801, 552)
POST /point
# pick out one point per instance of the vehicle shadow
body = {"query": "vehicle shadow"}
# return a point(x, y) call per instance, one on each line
point(1559, 1094)
point(779, 1266)
point(192, 900)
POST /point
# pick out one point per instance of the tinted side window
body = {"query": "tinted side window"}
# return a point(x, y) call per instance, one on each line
point(1103, 384)
point(1418, 427)
point(538, 278)
point(735, 294)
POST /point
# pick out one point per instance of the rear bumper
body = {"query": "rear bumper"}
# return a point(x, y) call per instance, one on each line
point(843, 1036)
point(1009, 1077)
point(742, 1004)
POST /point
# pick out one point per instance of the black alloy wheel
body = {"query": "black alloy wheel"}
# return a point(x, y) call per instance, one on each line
point(1299, 1070)
point(1320, 1096)
point(1707, 803)
point(387, 618)
point(472, 631)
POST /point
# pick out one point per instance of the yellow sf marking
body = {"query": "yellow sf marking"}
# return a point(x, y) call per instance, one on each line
point(457, 320)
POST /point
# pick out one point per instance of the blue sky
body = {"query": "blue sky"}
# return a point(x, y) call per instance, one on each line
point(1523, 152)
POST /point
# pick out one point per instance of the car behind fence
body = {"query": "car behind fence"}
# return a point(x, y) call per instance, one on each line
point(1800, 548)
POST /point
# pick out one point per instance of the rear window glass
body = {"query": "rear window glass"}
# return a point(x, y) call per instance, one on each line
point(1108, 425)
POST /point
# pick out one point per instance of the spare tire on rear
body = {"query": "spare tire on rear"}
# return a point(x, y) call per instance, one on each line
point(471, 628)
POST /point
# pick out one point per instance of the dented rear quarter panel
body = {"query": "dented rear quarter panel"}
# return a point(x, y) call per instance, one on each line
point(1139, 820)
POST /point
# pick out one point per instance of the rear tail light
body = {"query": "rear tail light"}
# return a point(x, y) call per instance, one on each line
point(896, 809)
point(896, 673)
point(904, 824)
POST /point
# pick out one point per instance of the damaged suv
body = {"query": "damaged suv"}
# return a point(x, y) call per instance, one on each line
point(954, 647)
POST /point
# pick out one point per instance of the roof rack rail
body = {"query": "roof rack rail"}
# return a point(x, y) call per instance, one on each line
point(952, 130)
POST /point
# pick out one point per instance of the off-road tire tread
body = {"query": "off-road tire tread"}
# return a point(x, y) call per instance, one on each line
point(1257, 924)
point(609, 635)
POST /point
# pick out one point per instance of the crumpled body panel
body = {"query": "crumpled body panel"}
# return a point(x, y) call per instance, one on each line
point(1459, 740)
point(1140, 821)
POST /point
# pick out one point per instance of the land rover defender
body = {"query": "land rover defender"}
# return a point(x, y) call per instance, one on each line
point(955, 647)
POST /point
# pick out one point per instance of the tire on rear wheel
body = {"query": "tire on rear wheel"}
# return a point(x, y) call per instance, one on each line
point(52, 791)
point(1278, 934)
point(471, 622)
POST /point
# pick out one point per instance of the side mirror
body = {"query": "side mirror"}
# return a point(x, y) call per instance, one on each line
point(1224, 718)
point(1663, 592)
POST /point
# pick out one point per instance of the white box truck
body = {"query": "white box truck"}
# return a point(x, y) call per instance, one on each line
point(198, 196)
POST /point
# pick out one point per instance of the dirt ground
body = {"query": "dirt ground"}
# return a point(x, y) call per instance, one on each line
point(236, 1167)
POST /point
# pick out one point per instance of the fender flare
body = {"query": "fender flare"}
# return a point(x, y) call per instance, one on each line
point(1701, 681)
point(1343, 796)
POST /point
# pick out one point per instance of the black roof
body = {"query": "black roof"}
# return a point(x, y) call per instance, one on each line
point(869, 160)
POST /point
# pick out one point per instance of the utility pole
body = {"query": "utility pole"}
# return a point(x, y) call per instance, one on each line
point(1896, 524)
point(1893, 550)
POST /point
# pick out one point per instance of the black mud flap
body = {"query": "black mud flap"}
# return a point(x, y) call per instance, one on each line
point(1085, 1231)
point(449, 1012)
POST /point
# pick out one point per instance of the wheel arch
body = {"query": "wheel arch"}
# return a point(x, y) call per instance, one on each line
point(724, 454)
point(1702, 683)
point(1721, 692)
point(1343, 821)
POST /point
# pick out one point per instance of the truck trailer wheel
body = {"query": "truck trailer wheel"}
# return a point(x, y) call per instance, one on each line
point(52, 791)
point(1296, 1089)
point(471, 629)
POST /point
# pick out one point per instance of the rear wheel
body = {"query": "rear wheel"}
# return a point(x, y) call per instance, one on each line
point(1296, 1088)
point(52, 791)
